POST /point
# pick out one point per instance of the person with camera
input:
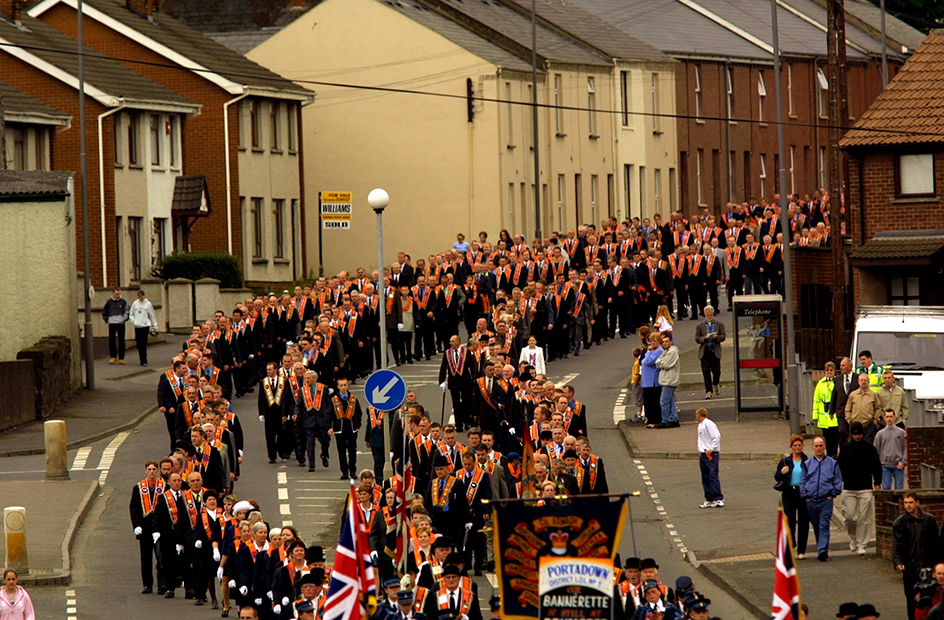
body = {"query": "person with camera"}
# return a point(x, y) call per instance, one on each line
point(929, 595)
point(915, 545)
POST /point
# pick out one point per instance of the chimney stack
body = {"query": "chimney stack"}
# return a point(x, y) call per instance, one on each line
point(11, 9)
point(144, 7)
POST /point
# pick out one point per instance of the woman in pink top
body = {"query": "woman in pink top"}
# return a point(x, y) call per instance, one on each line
point(15, 603)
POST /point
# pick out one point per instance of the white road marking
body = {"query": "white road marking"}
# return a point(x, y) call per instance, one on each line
point(283, 494)
point(285, 509)
point(619, 410)
point(567, 379)
point(282, 477)
point(108, 456)
point(81, 457)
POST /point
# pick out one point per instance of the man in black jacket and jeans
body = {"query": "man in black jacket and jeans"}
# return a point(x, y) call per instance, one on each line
point(915, 545)
point(115, 313)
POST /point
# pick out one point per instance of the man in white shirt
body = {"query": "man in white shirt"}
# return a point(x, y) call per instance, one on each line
point(709, 446)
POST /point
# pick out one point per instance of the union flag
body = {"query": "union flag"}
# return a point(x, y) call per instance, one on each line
point(786, 601)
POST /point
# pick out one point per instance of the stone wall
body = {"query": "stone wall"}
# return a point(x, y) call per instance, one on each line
point(52, 374)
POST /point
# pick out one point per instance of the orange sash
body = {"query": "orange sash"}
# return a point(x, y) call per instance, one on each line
point(173, 380)
point(191, 507)
point(342, 410)
point(149, 501)
point(474, 484)
point(171, 505)
point(440, 499)
point(313, 403)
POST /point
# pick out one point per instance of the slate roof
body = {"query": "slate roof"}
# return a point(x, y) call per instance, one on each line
point(892, 245)
point(200, 49)
point(219, 16)
point(592, 30)
point(913, 101)
point(457, 34)
point(242, 42)
point(21, 183)
point(107, 75)
point(16, 102)
point(189, 192)
point(895, 29)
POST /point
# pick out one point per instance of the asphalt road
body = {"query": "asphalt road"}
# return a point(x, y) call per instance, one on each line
point(106, 581)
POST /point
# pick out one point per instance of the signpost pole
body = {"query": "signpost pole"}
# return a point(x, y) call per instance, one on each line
point(320, 239)
point(378, 200)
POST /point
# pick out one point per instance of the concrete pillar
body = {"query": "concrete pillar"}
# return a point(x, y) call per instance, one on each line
point(14, 533)
point(180, 305)
point(57, 465)
point(207, 292)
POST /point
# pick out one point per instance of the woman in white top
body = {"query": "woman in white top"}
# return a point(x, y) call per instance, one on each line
point(144, 321)
point(663, 321)
point(534, 355)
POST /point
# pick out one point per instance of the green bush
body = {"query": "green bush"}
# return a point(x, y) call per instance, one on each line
point(195, 266)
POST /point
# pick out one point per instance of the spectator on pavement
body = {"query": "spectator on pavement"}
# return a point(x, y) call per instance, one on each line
point(669, 376)
point(16, 603)
point(709, 334)
point(820, 484)
point(144, 322)
point(893, 397)
point(790, 472)
point(709, 448)
point(663, 321)
point(932, 609)
point(864, 406)
point(890, 445)
point(636, 381)
point(861, 472)
point(823, 415)
point(846, 383)
point(651, 389)
point(915, 545)
point(115, 313)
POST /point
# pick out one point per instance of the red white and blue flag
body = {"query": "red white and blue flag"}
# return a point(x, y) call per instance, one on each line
point(352, 592)
point(786, 603)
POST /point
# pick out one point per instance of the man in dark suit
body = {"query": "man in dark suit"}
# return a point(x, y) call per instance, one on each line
point(424, 313)
point(446, 502)
point(347, 421)
point(374, 439)
point(477, 486)
point(592, 475)
point(317, 416)
point(407, 274)
point(484, 400)
point(564, 479)
point(709, 334)
point(144, 497)
point(207, 460)
point(270, 407)
point(167, 533)
point(455, 374)
point(170, 393)
point(846, 382)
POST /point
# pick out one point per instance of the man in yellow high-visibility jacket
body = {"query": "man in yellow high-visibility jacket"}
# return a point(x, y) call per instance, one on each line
point(829, 424)
point(870, 368)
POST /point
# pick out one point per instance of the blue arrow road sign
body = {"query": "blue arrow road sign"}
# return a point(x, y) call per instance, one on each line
point(385, 390)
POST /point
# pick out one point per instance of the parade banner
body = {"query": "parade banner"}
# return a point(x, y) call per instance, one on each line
point(575, 588)
point(524, 534)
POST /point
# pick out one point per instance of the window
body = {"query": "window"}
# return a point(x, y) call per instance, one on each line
point(134, 123)
point(904, 292)
point(761, 96)
point(275, 126)
point(19, 148)
point(529, 119)
point(625, 96)
point(643, 193)
point(159, 241)
point(697, 93)
point(134, 237)
point(699, 165)
point(822, 166)
point(119, 160)
point(509, 110)
point(240, 127)
point(42, 149)
point(627, 187)
point(156, 140)
point(558, 102)
point(560, 201)
point(789, 89)
point(673, 203)
point(822, 93)
point(510, 222)
point(279, 212)
point(916, 175)
point(763, 175)
point(292, 128)
point(592, 106)
point(174, 142)
point(731, 176)
point(729, 87)
point(656, 184)
point(257, 227)
point(792, 167)
point(255, 125)
point(655, 103)
point(594, 192)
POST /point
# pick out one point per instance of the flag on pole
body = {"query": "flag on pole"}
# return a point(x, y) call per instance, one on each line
point(403, 519)
point(786, 602)
point(352, 592)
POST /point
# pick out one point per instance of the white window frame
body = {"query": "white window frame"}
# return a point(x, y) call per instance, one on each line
point(792, 164)
point(656, 124)
point(822, 93)
point(789, 89)
point(919, 170)
point(561, 192)
point(656, 183)
point(558, 102)
point(761, 96)
point(763, 175)
point(822, 166)
point(592, 106)
point(509, 111)
point(699, 164)
point(594, 192)
point(698, 94)
point(729, 90)
point(626, 97)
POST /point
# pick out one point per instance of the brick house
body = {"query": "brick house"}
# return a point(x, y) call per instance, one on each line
point(123, 200)
point(29, 127)
point(897, 176)
point(246, 142)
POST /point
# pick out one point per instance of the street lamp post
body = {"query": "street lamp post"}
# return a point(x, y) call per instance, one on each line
point(378, 200)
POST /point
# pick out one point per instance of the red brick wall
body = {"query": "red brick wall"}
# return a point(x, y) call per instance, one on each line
point(202, 140)
point(809, 266)
point(65, 156)
point(888, 507)
point(925, 445)
point(756, 139)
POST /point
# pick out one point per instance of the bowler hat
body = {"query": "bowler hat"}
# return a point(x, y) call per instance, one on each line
point(867, 611)
point(648, 563)
point(847, 609)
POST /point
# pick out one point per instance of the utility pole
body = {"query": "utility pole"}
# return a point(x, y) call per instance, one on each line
point(3, 140)
point(838, 118)
point(534, 119)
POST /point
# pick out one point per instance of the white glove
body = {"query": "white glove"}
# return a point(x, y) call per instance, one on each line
point(269, 594)
point(373, 557)
point(468, 526)
point(138, 531)
point(240, 454)
point(330, 391)
point(262, 418)
point(285, 601)
point(277, 609)
point(198, 544)
point(156, 536)
point(232, 582)
point(252, 356)
point(399, 325)
point(219, 573)
point(180, 549)
point(216, 555)
point(442, 386)
point(511, 431)
point(257, 601)
point(243, 590)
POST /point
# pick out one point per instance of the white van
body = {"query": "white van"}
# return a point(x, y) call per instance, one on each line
point(910, 341)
